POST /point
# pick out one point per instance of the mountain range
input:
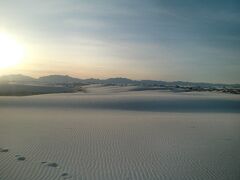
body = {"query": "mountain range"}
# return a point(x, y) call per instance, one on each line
point(65, 79)
point(21, 85)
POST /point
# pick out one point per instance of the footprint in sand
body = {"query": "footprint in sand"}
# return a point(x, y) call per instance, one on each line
point(20, 158)
point(50, 164)
point(193, 127)
point(4, 150)
point(227, 139)
point(66, 176)
point(53, 164)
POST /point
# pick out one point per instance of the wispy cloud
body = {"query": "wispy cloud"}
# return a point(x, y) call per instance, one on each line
point(163, 38)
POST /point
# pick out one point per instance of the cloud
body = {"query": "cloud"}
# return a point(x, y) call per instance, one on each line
point(166, 37)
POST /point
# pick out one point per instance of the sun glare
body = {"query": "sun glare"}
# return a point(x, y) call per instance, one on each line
point(11, 52)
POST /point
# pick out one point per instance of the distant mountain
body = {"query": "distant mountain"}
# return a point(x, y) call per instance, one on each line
point(24, 85)
point(58, 79)
point(118, 80)
point(92, 81)
point(17, 78)
point(152, 82)
point(65, 79)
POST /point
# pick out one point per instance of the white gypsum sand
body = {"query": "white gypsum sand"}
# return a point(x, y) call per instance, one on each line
point(111, 136)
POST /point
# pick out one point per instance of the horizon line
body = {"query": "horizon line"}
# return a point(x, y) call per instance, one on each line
point(197, 82)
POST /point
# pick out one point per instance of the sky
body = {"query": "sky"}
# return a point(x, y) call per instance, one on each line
point(188, 40)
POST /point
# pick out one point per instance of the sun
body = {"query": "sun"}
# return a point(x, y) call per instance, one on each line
point(11, 52)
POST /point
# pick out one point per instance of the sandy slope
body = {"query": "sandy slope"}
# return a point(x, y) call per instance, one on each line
point(132, 101)
point(92, 142)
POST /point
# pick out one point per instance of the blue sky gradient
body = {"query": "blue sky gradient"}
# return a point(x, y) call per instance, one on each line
point(141, 39)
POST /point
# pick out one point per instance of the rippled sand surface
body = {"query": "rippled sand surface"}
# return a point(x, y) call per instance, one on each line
point(106, 137)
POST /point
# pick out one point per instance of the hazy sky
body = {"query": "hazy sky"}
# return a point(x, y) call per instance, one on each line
point(190, 40)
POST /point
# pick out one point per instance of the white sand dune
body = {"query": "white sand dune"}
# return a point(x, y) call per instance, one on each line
point(105, 137)
point(133, 101)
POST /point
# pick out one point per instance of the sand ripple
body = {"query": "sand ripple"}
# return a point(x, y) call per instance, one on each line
point(110, 145)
